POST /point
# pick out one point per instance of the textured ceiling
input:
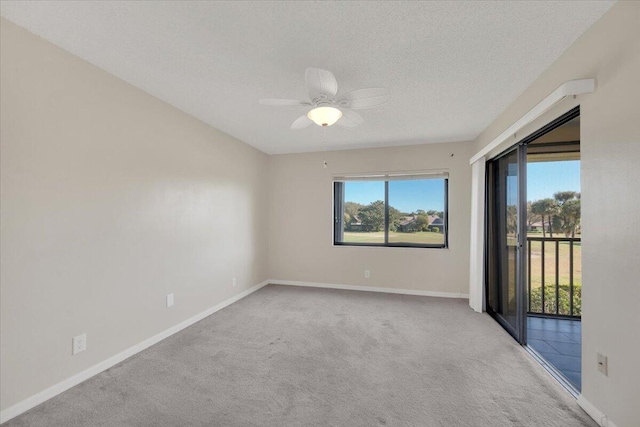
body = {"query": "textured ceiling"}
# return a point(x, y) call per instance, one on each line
point(450, 67)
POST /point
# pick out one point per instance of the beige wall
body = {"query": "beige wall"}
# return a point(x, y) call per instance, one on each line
point(111, 199)
point(610, 145)
point(301, 220)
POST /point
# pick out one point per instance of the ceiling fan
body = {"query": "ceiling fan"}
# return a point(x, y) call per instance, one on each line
point(327, 107)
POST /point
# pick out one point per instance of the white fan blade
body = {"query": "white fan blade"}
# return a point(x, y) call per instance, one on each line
point(364, 98)
point(350, 119)
point(301, 122)
point(322, 84)
point(281, 102)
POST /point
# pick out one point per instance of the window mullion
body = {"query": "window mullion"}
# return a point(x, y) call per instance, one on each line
point(338, 212)
point(446, 213)
point(386, 212)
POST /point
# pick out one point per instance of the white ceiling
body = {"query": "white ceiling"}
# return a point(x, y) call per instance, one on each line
point(450, 67)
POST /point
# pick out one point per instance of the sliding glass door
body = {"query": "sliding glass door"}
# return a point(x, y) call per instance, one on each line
point(506, 299)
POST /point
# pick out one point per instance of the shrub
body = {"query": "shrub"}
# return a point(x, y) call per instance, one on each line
point(550, 299)
point(435, 229)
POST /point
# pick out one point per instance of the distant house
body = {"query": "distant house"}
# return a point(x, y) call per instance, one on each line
point(410, 224)
point(355, 224)
point(437, 222)
point(536, 227)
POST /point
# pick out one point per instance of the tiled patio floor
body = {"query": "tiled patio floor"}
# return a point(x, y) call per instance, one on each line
point(559, 341)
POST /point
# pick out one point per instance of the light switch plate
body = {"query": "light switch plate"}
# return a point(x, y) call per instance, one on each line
point(170, 300)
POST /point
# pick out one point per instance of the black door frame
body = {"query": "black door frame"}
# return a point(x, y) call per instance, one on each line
point(520, 331)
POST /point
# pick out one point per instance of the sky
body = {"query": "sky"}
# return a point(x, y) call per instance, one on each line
point(546, 178)
point(543, 180)
point(406, 196)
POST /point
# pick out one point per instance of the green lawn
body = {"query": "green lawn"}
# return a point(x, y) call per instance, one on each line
point(564, 269)
point(550, 263)
point(423, 237)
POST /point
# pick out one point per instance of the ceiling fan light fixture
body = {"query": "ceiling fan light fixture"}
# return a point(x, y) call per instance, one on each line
point(324, 116)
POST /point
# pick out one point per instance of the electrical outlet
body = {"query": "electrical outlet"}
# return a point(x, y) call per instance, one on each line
point(170, 301)
point(602, 364)
point(78, 344)
point(234, 282)
point(367, 274)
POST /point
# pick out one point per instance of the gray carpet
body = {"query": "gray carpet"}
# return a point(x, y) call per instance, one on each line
point(293, 356)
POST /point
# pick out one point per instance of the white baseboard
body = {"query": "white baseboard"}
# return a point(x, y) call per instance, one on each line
point(38, 398)
point(370, 289)
point(595, 413)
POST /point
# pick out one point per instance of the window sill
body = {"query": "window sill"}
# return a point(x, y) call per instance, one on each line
point(382, 245)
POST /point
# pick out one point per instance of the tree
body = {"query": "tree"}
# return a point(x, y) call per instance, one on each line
point(347, 220)
point(512, 219)
point(350, 214)
point(571, 214)
point(372, 216)
point(532, 217)
point(567, 217)
point(395, 218)
point(352, 209)
point(546, 208)
point(564, 196)
point(422, 222)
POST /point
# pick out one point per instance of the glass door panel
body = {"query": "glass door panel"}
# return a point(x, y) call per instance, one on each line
point(504, 273)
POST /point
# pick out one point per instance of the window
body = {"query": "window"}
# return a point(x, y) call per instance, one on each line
point(391, 210)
